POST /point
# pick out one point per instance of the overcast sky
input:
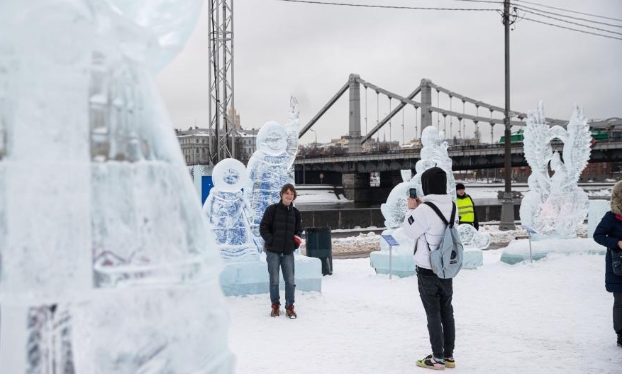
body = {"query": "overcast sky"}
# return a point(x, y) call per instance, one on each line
point(306, 50)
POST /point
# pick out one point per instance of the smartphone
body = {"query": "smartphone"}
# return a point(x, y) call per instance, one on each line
point(412, 193)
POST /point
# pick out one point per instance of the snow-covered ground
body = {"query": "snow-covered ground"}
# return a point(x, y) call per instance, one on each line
point(550, 316)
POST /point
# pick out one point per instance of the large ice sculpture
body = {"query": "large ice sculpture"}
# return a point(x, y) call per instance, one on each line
point(555, 206)
point(270, 167)
point(395, 208)
point(106, 261)
point(227, 211)
point(434, 153)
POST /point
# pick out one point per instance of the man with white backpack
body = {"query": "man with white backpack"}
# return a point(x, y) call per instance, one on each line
point(434, 232)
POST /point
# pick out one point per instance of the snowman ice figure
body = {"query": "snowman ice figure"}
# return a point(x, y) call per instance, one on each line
point(227, 212)
point(268, 171)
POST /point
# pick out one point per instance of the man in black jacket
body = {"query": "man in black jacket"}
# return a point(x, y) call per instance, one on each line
point(280, 228)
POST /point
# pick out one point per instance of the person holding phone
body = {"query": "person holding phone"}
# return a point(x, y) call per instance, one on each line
point(426, 228)
point(281, 228)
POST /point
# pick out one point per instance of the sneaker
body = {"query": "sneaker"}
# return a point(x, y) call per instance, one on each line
point(275, 310)
point(431, 362)
point(290, 313)
point(450, 363)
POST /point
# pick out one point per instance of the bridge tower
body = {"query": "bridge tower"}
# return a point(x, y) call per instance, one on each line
point(221, 126)
point(354, 134)
point(426, 103)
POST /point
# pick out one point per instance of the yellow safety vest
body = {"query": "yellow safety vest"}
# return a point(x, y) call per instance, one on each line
point(466, 210)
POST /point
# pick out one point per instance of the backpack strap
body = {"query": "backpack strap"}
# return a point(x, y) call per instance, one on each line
point(438, 213)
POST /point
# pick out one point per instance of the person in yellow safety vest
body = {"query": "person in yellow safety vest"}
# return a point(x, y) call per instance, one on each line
point(466, 207)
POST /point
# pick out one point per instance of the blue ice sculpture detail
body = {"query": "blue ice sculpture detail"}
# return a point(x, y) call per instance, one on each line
point(227, 211)
point(270, 166)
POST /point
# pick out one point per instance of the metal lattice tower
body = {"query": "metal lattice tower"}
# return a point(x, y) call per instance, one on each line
point(221, 79)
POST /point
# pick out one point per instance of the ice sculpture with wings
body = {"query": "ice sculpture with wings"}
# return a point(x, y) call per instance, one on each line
point(555, 205)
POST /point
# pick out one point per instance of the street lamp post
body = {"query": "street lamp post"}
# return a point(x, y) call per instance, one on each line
point(507, 207)
point(315, 137)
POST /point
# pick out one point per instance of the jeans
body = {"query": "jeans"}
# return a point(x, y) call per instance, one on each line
point(436, 296)
point(617, 312)
point(286, 262)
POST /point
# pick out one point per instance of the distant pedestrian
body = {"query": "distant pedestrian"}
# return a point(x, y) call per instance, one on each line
point(280, 228)
point(422, 224)
point(466, 207)
point(609, 233)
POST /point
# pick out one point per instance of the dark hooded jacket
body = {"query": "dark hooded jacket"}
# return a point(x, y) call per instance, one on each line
point(608, 233)
point(278, 226)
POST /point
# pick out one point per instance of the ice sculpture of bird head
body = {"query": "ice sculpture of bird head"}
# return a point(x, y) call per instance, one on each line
point(272, 138)
point(229, 175)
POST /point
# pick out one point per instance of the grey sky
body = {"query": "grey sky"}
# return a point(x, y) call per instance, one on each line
point(308, 51)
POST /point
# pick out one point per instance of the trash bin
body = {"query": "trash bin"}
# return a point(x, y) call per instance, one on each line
point(319, 245)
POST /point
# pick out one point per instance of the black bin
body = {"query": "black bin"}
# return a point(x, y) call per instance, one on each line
point(319, 245)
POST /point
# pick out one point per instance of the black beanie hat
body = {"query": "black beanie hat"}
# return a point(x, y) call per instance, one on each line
point(434, 181)
point(459, 186)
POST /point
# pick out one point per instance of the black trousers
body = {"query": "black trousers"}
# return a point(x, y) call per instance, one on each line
point(436, 296)
point(617, 312)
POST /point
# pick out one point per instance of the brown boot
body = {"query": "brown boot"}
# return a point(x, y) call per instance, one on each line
point(290, 313)
point(275, 310)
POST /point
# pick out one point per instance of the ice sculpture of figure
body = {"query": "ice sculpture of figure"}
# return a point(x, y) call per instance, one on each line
point(227, 211)
point(394, 209)
point(434, 153)
point(107, 263)
point(269, 168)
point(555, 206)
point(472, 238)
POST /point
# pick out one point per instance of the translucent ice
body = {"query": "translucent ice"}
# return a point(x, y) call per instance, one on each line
point(98, 216)
point(227, 211)
point(555, 205)
point(270, 167)
point(395, 208)
point(434, 153)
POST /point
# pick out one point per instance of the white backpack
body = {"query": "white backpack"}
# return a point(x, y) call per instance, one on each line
point(446, 260)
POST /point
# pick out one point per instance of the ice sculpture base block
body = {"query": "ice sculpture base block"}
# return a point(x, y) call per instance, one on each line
point(472, 258)
point(402, 265)
point(595, 213)
point(518, 250)
point(250, 278)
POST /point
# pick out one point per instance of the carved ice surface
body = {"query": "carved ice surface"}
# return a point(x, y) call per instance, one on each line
point(434, 153)
point(227, 211)
point(270, 167)
point(395, 208)
point(102, 239)
point(471, 238)
point(555, 206)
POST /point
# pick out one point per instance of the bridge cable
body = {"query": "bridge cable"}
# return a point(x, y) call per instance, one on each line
point(390, 126)
point(492, 141)
point(403, 131)
point(438, 104)
point(416, 122)
point(365, 110)
point(451, 118)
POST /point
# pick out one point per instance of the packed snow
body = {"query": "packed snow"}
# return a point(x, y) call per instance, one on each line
point(550, 316)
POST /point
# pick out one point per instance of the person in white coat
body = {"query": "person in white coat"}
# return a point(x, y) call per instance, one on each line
point(423, 225)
